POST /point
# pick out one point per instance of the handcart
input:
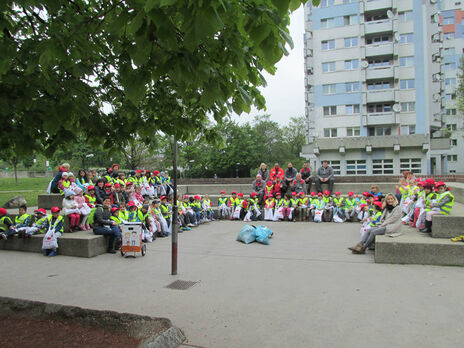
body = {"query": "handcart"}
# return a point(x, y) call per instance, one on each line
point(131, 236)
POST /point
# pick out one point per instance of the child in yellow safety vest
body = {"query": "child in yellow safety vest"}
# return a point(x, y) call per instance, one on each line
point(207, 208)
point(224, 211)
point(269, 208)
point(5, 225)
point(37, 227)
point(350, 207)
point(254, 208)
point(64, 183)
point(300, 206)
point(23, 219)
point(441, 205)
point(233, 203)
point(53, 224)
point(318, 210)
point(339, 205)
point(328, 209)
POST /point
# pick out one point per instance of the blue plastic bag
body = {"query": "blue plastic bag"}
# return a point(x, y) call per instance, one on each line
point(267, 230)
point(263, 234)
point(247, 234)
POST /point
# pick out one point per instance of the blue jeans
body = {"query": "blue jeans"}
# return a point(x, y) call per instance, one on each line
point(9, 232)
point(111, 231)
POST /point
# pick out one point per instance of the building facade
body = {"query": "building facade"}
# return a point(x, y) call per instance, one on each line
point(374, 88)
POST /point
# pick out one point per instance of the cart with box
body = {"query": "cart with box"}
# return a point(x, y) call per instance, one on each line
point(131, 236)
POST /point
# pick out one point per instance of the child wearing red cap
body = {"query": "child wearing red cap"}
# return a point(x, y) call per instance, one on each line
point(232, 203)
point(196, 206)
point(318, 208)
point(70, 209)
point(339, 205)
point(224, 211)
point(37, 227)
point(418, 204)
point(54, 227)
point(328, 209)
point(441, 205)
point(119, 196)
point(5, 225)
point(269, 208)
point(350, 207)
point(84, 209)
point(268, 188)
point(241, 206)
point(254, 209)
point(207, 208)
point(278, 207)
point(287, 208)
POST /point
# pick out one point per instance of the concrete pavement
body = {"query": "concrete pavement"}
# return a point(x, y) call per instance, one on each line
point(304, 290)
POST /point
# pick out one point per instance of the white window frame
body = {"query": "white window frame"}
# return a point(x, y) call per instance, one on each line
point(408, 106)
point(330, 67)
point(406, 38)
point(335, 164)
point(448, 20)
point(350, 40)
point(352, 109)
point(411, 164)
point(450, 36)
point(452, 158)
point(330, 132)
point(409, 84)
point(353, 132)
point(356, 167)
point(352, 64)
point(330, 110)
point(329, 89)
point(330, 45)
point(382, 166)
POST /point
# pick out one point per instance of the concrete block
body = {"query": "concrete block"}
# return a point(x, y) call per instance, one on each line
point(47, 201)
point(79, 244)
point(418, 248)
point(447, 226)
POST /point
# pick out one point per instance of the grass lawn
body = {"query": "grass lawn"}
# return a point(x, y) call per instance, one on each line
point(33, 186)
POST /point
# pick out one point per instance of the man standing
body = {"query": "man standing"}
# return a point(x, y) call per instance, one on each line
point(306, 176)
point(258, 187)
point(290, 175)
point(275, 172)
point(325, 175)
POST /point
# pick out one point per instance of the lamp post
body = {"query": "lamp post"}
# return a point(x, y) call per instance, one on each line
point(236, 169)
point(174, 211)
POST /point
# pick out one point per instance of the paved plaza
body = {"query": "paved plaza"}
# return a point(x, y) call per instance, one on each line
point(304, 290)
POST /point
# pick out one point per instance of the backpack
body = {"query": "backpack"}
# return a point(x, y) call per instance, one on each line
point(91, 217)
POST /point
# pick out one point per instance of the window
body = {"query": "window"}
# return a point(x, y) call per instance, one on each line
point(408, 106)
point(407, 61)
point(352, 87)
point(356, 167)
point(382, 166)
point(454, 142)
point(351, 42)
point(450, 81)
point(452, 158)
point(450, 51)
point(408, 130)
point(353, 132)
point(379, 63)
point(450, 66)
point(327, 23)
point(407, 84)
point(376, 17)
point(449, 36)
point(329, 89)
point(378, 40)
point(335, 166)
point(349, 1)
point(411, 164)
point(449, 97)
point(330, 110)
point(350, 20)
point(378, 131)
point(328, 67)
point(405, 38)
point(328, 45)
point(405, 16)
point(448, 20)
point(377, 108)
point(452, 126)
point(451, 112)
point(352, 109)
point(330, 132)
point(327, 3)
point(371, 86)
point(351, 64)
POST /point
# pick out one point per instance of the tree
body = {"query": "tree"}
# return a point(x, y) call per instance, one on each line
point(160, 65)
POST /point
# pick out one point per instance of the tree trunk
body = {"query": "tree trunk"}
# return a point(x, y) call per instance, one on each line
point(16, 172)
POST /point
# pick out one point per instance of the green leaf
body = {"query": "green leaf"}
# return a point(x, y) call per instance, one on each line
point(282, 6)
point(151, 4)
point(316, 3)
point(294, 5)
point(136, 23)
point(164, 3)
point(286, 37)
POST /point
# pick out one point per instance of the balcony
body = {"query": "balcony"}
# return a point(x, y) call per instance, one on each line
point(378, 119)
point(380, 96)
point(375, 5)
point(383, 26)
point(385, 49)
point(440, 143)
point(385, 72)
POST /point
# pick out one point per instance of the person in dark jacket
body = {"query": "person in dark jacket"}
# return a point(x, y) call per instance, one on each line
point(258, 187)
point(100, 190)
point(54, 184)
point(306, 176)
point(104, 226)
point(289, 176)
point(263, 172)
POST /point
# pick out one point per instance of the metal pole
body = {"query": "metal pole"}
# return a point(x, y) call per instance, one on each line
point(174, 211)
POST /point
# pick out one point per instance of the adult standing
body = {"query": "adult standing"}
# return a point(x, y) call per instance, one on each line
point(263, 172)
point(325, 175)
point(390, 222)
point(289, 175)
point(104, 226)
point(258, 187)
point(306, 176)
point(275, 172)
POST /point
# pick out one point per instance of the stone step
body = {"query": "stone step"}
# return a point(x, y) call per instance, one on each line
point(447, 226)
point(414, 247)
point(79, 244)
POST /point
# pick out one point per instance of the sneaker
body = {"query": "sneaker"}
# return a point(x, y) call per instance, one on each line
point(52, 253)
point(45, 252)
point(3, 236)
point(87, 227)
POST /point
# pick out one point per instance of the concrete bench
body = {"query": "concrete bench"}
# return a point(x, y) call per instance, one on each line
point(79, 244)
point(47, 201)
point(447, 226)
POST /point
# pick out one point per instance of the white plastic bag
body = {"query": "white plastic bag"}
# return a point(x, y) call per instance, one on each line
point(278, 214)
point(405, 204)
point(236, 214)
point(50, 240)
point(318, 215)
point(421, 219)
point(366, 226)
point(268, 214)
point(49, 187)
point(337, 218)
point(247, 216)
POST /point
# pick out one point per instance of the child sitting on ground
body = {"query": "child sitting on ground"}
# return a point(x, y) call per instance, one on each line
point(208, 208)
point(37, 227)
point(223, 208)
point(269, 208)
point(23, 219)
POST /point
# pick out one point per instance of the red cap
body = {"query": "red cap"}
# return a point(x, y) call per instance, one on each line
point(350, 194)
point(245, 204)
point(254, 194)
point(430, 181)
point(378, 204)
point(417, 180)
point(196, 197)
point(156, 172)
point(421, 183)
point(147, 171)
point(55, 209)
point(163, 197)
point(91, 187)
point(377, 199)
point(130, 203)
point(327, 192)
point(337, 193)
point(41, 211)
point(114, 209)
point(2, 211)
point(234, 192)
point(186, 196)
point(301, 193)
point(363, 205)
point(223, 192)
point(138, 171)
point(278, 194)
point(129, 183)
point(313, 193)
point(240, 194)
point(108, 184)
point(366, 194)
point(269, 183)
point(110, 170)
point(117, 185)
point(294, 193)
point(319, 194)
point(440, 183)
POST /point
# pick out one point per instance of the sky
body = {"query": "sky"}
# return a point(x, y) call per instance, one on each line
point(284, 92)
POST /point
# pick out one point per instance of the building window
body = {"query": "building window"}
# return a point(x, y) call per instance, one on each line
point(351, 42)
point(451, 112)
point(371, 86)
point(327, 23)
point(327, 3)
point(329, 89)
point(356, 167)
point(335, 166)
point(450, 66)
point(408, 130)
point(450, 82)
point(378, 108)
point(350, 20)
point(379, 63)
point(450, 51)
point(376, 18)
point(407, 61)
point(352, 109)
point(378, 40)
point(405, 16)
point(405, 38)
point(328, 45)
point(411, 164)
point(351, 64)
point(330, 132)
point(449, 36)
point(448, 20)
point(352, 87)
point(328, 67)
point(454, 142)
point(384, 166)
point(449, 97)
point(407, 84)
point(353, 132)
point(330, 110)
point(408, 107)
point(378, 131)
point(452, 126)
point(452, 158)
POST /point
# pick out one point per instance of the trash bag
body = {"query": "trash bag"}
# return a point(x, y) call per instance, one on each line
point(247, 234)
point(267, 230)
point(262, 236)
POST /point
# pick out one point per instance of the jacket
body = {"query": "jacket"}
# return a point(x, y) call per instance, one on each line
point(290, 173)
point(325, 172)
point(102, 217)
point(264, 174)
point(258, 186)
point(99, 194)
point(305, 173)
point(275, 172)
point(299, 186)
point(391, 220)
